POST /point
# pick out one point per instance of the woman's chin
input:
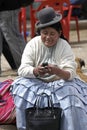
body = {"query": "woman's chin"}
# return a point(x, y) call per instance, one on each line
point(48, 45)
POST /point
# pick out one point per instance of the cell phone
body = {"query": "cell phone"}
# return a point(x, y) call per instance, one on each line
point(45, 64)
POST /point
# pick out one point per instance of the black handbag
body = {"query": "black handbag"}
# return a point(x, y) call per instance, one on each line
point(47, 118)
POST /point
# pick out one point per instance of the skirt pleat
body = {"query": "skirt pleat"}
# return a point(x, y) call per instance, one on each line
point(71, 96)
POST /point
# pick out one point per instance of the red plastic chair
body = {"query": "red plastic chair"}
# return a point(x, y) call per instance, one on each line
point(22, 21)
point(57, 5)
point(75, 18)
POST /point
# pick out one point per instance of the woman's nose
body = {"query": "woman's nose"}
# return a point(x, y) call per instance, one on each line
point(48, 35)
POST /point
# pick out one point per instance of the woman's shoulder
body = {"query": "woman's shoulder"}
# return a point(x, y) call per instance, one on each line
point(35, 40)
point(63, 45)
point(63, 42)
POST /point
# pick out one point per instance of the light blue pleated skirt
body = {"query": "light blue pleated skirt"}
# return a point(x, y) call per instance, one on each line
point(71, 96)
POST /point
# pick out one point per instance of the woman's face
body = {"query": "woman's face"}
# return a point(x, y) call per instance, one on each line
point(49, 36)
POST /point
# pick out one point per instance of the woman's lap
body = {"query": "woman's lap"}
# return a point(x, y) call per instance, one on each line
point(71, 95)
point(60, 90)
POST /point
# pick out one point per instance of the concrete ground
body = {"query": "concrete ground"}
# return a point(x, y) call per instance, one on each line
point(8, 127)
point(79, 49)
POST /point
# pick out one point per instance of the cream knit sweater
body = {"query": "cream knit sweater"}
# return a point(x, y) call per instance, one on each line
point(36, 53)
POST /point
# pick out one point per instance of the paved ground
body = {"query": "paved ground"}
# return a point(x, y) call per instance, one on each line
point(8, 127)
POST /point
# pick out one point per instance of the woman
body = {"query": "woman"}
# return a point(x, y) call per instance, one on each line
point(58, 77)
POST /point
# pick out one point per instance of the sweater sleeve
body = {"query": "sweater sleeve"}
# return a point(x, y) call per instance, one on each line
point(68, 60)
point(27, 61)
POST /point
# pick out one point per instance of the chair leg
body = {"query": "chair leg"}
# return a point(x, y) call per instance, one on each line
point(22, 22)
point(77, 28)
point(66, 28)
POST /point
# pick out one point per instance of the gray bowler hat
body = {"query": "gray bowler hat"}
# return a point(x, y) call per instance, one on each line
point(47, 16)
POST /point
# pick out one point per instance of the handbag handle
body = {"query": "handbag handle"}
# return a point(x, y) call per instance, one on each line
point(49, 100)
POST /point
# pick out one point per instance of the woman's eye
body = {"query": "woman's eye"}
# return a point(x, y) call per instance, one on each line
point(52, 34)
point(45, 33)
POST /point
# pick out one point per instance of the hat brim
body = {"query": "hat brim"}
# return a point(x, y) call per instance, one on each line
point(55, 20)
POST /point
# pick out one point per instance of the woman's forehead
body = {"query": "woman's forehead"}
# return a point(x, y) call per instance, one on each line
point(48, 29)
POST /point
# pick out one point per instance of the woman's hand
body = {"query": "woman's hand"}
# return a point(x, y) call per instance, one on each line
point(54, 69)
point(51, 70)
point(39, 71)
point(42, 70)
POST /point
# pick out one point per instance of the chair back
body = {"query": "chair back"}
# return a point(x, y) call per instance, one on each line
point(58, 7)
point(69, 9)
